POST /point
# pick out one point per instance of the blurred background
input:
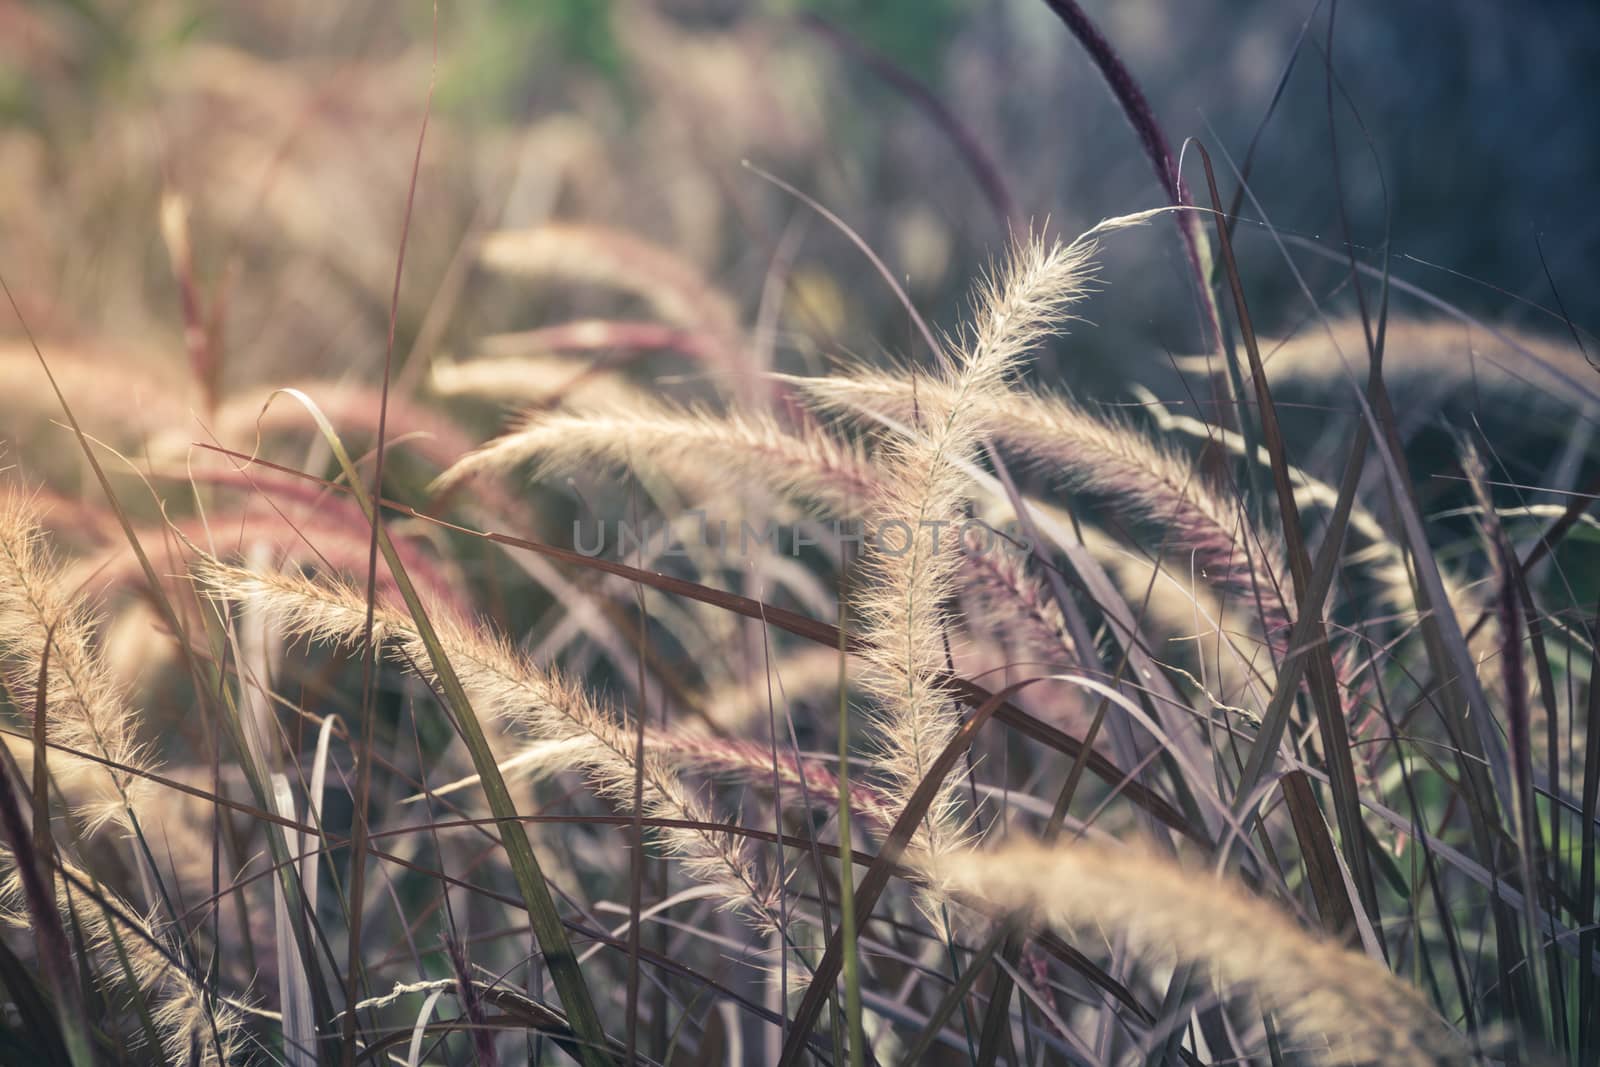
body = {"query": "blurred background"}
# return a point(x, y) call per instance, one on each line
point(280, 139)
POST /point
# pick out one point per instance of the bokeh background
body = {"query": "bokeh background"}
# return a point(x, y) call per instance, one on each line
point(289, 128)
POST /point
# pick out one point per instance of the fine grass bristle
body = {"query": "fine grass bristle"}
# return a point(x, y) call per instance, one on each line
point(706, 451)
point(1106, 458)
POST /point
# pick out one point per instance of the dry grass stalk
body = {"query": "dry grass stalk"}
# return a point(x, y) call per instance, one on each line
point(1343, 1006)
point(86, 712)
point(919, 483)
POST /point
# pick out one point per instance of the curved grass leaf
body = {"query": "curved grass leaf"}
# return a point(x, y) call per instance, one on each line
point(541, 907)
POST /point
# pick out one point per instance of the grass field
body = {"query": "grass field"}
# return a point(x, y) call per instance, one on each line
point(659, 532)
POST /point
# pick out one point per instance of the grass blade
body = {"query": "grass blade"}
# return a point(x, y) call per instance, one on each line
point(1316, 848)
point(55, 956)
point(1589, 938)
point(1324, 685)
point(542, 914)
point(39, 1028)
point(877, 876)
point(358, 866)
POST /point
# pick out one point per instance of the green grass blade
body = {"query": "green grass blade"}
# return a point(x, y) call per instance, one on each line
point(542, 914)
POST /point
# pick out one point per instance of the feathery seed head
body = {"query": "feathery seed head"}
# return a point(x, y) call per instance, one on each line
point(1344, 1006)
point(85, 709)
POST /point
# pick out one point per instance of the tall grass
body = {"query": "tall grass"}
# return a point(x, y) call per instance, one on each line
point(355, 722)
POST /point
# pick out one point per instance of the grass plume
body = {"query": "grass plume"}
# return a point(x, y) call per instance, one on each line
point(1344, 1007)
